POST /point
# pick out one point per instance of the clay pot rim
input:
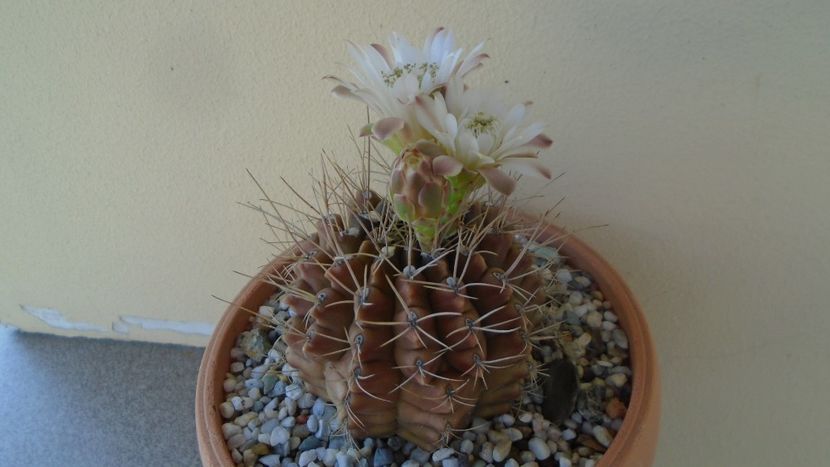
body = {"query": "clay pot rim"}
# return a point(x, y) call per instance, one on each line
point(634, 444)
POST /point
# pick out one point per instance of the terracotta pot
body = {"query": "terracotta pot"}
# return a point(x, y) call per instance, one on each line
point(634, 445)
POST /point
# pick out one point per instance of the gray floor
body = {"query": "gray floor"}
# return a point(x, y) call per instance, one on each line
point(84, 402)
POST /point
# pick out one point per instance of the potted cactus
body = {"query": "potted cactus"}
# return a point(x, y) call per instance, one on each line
point(414, 316)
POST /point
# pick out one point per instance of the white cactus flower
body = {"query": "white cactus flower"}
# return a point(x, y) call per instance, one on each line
point(483, 134)
point(389, 79)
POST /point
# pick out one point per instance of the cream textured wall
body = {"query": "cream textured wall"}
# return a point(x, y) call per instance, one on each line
point(699, 131)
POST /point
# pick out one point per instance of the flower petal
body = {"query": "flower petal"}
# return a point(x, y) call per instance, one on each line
point(386, 127)
point(500, 181)
point(527, 166)
point(446, 166)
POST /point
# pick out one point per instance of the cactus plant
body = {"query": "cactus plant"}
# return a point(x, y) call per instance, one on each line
point(416, 309)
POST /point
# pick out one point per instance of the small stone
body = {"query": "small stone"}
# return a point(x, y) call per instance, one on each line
point(450, 462)
point(583, 281)
point(511, 463)
point(313, 423)
point(615, 408)
point(467, 446)
point(514, 434)
point(410, 463)
point(617, 379)
point(564, 462)
point(237, 367)
point(575, 298)
point(486, 452)
point(229, 385)
point(306, 401)
point(310, 443)
point(507, 420)
point(525, 417)
point(383, 456)
point(288, 422)
point(620, 338)
point(419, 455)
point(442, 454)
point(226, 409)
point(279, 436)
point(602, 435)
point(306, 457)
point(236, 440)
point(330, 457)
point(593, 319)
point(501, 450)
point(568, 435)
point(272, 460)
point(563, 275)
point(293, 391)
point(319, 408)
point(610, 316)
point(539, 448)
point(229, 429)
point(344, 460)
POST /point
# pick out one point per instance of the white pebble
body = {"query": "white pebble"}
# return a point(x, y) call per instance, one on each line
point(442, 454)
point(617, 379)
point(330, 457)
point(620, 338)
point(449, 462)
point(564, 462)
point(575, 298)
point(467, 446)
point(279, 436)
point(568, 434)
point(226, 409)
point(602, 435)
point(410, 463)
point(229, 385)
point(511, 463)
point(306, 457)
point(237, 367)
point(507, 420)
point(313, 423)
point(563, 275)
point(593, 319)
point(229, 429)
point(293, 392)
point(539, 448)
point(236, 440)
point(486, 452)
point(526, 417)
point(514, 434)
point(271, 460)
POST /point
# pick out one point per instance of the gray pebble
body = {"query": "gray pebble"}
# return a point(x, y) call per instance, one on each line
point(226, 409)
point(310, 443)
point(306, 457)
point(620, 338)
point(271, 460)
point(467, 446)
point(293, 391)
point(442, 454)
point(279, 436)
point(511, 463)
point(539, 448)
point(383, 456)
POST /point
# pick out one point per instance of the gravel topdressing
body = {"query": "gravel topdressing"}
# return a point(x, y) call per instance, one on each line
point(271, 420)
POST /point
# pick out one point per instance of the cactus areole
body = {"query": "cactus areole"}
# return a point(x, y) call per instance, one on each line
point(413, 308)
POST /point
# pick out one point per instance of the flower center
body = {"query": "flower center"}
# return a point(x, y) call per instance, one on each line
point(422, 69)
point(482, 123)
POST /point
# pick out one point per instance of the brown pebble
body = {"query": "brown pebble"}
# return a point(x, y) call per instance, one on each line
point(615, 408)
point(590, 443)
point(301, 419)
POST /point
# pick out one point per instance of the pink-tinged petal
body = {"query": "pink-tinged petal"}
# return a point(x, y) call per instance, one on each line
point(386, 127)
point(540, 141)
point(472, 64)
point(446, 166)
point(527, 166)
point(428, 148)
point(342, 91)
point(500, 181)
point(385, 54)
